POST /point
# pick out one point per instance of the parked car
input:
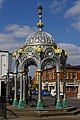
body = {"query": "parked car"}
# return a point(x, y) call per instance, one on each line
point(44, 92)
point(35, 92)
point(53, 93)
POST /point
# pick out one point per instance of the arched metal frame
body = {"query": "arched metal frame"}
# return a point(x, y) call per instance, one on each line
point(39, 49)
point(41, 57)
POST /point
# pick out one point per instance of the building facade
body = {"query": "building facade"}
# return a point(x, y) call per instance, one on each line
point(72, 80)
point(5, 67)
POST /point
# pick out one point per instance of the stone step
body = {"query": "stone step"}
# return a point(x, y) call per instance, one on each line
point(68, 109)
point(42, 113)
point(14, 112)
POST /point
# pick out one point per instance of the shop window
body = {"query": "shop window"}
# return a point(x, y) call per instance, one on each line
point(74, 75)
point(71, 76)
point(50, 76)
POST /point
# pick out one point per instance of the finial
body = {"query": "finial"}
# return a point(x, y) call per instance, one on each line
point(40, 23)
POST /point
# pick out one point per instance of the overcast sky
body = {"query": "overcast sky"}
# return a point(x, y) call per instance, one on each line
point(61, 18)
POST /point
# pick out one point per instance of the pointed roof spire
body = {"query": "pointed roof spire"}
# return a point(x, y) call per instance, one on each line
point(40, 23)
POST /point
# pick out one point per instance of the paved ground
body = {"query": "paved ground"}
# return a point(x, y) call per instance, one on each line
point(71, 102)
point(77, 117)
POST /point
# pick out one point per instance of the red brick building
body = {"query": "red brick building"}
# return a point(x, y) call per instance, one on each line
point(72, 80)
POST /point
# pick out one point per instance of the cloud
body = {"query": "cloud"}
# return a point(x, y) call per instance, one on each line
point(73, 53)
point(19, 31)
point(76, 24)
point(13, 36)
point(10, 46)
point(74, 10)
point(58, 5)
point(74, 14)
point(1, 3)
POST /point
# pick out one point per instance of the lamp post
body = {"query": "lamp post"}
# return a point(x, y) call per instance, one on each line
point(63, 59)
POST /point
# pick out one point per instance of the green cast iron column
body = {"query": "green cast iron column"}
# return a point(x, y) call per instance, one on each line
point(39, 102)
point(58, 102)
point(21, 105)
point(65, 104)
point(63, 61)
point(15, 102)
point(24, 100)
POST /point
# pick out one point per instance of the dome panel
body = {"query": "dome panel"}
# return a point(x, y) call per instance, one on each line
point(40, 38)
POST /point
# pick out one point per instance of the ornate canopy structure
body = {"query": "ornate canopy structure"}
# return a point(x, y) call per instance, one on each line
point(38, 44)
point(40, 49)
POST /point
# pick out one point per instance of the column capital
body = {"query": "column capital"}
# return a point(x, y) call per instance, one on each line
point(39, 72)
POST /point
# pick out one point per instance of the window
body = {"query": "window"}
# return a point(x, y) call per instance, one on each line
point(74, 75)
point(50, 75)
point(71, 76)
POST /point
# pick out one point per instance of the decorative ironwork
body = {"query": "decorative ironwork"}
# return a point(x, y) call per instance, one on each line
point(39, 49)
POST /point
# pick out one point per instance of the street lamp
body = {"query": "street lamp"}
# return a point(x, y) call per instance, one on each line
point(63, 60)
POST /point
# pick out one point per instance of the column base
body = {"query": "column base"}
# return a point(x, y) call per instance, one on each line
point(39, 104)
point(58, 104)
point(65, 104)
point(21, 105)
point(15, 103)
point(24, 102)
